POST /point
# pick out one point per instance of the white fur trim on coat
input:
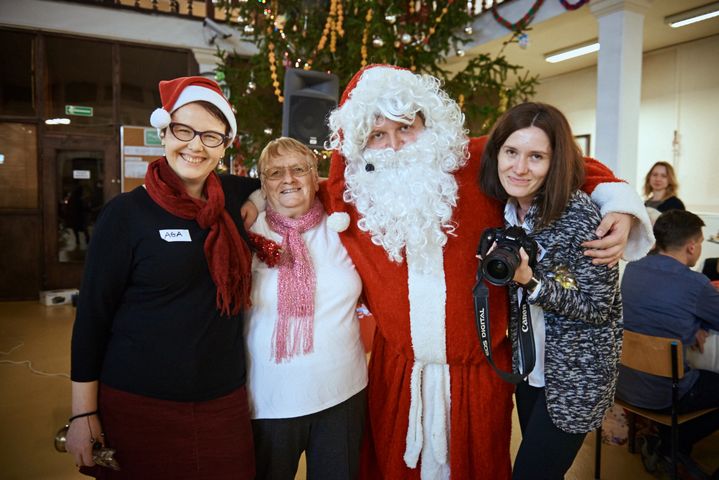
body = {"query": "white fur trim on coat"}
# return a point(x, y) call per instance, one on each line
point(338, 221)
point(620, 197)
point(428, 429)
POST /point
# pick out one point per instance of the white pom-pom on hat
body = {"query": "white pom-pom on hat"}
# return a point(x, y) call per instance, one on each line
point(160, 118)
point(338, 221)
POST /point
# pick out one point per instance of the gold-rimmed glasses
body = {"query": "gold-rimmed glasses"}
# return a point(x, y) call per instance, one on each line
point(277, 173)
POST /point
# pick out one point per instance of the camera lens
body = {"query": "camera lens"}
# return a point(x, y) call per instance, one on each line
point(497, 269)
point(500, 265)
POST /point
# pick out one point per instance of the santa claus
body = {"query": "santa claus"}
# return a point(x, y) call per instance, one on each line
point(405, 172)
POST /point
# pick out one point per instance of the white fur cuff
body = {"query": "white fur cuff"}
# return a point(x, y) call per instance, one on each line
point(620, 197)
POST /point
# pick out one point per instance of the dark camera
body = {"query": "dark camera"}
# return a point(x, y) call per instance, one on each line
point(499, 265)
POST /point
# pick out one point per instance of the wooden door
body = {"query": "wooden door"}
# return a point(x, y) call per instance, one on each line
point(80, 173)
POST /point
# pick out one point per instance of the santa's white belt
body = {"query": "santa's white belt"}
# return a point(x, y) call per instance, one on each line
point(428, 429)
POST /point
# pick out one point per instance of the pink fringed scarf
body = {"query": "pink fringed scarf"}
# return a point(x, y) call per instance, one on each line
point(295, 285)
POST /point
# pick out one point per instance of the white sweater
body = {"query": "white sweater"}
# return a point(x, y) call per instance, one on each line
point(337, 368)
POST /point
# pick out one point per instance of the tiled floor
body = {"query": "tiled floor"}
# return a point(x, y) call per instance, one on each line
point(33, 405)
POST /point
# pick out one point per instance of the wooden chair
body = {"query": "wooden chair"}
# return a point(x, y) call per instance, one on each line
point(711, 269)
point(657, 356)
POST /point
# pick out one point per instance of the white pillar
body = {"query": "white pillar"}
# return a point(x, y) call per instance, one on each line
point(619, 83)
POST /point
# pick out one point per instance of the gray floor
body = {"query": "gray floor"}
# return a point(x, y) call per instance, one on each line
point(34, 405)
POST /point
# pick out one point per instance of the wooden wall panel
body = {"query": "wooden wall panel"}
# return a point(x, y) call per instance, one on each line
point(20, 256)
point(18, 166)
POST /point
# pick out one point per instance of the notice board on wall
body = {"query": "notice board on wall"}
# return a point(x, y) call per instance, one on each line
point(138, 147)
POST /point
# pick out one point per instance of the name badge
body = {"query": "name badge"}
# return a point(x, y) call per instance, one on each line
point(175, 235)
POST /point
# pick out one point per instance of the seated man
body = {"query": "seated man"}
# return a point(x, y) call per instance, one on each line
point(663, 297)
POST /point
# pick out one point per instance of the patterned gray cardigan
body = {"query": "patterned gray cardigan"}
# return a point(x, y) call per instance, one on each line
point(583, 319)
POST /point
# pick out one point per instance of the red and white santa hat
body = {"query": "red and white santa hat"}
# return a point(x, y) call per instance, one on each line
point(183, 90)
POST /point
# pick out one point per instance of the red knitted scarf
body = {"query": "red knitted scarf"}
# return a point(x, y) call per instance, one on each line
point(228, 257)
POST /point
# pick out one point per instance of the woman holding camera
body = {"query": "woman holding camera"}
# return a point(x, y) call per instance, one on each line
point(532, 163)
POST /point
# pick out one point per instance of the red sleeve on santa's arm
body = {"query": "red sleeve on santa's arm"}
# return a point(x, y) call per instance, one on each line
point(323, 196)
point(331, 190)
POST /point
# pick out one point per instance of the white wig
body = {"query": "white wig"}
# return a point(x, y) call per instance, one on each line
point(398, 95)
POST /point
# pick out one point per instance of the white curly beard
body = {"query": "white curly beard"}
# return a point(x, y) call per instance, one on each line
point(407, 201)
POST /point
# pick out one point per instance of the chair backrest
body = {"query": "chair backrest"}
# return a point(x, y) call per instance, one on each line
point(711, 269)
point(650, 354)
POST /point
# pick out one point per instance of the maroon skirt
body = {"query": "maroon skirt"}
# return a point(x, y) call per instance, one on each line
point(176, 440)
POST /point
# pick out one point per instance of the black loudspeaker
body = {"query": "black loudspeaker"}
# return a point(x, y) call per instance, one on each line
point(309, 99)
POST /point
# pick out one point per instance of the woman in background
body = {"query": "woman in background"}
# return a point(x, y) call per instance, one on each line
point(158, 361)
point(661, 187)
point(532, 163)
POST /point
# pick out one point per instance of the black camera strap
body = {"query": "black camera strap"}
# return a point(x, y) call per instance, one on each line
point(525, 334)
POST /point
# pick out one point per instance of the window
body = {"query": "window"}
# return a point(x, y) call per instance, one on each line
point(79, 85)
point(17, 79)
point(141, 70)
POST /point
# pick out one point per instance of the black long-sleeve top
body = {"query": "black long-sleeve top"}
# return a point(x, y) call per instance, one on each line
point(671, 203)
point(147, 322)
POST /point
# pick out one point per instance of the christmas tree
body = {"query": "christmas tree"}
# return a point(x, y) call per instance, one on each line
point(343, 36)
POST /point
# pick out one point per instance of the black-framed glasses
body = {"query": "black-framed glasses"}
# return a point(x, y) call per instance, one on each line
point(185, 133)
point(297, 170)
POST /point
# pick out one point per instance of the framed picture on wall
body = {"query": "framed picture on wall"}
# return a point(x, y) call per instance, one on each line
point(584, 142)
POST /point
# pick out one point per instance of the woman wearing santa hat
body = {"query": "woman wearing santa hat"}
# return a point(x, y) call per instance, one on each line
point(158, 369)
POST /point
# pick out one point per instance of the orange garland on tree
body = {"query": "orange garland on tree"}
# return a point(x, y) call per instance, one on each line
point(365, 35)
point(273, 71)
point(333, 26)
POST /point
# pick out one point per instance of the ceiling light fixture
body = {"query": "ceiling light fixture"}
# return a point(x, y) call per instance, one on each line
point(572, 52)
point(694, 15)
point(57, 121)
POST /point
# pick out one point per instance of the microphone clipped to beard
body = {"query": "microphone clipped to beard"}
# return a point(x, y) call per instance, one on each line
point(404, 198)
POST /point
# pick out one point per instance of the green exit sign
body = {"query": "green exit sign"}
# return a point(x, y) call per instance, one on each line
point(78, 111)
point(152, 137)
